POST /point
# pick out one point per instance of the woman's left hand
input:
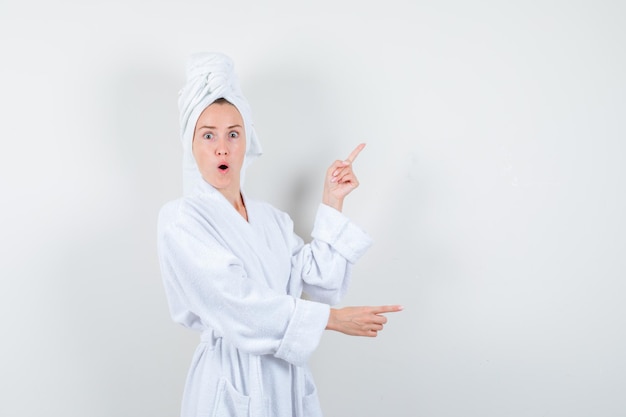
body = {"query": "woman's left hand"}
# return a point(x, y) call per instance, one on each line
point(340, 180)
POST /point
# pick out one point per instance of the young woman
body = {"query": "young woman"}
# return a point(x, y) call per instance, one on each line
point(234, 270)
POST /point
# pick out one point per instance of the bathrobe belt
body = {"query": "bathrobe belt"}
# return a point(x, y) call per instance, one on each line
point(257, 397)
point(209, 336)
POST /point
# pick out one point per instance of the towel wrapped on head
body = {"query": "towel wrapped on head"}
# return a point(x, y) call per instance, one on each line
point(211, 76)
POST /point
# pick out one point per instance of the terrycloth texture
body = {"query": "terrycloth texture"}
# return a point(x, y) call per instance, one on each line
point(211, 76)
point(239, 283)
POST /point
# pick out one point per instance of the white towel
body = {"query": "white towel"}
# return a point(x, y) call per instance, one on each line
point(210, 76)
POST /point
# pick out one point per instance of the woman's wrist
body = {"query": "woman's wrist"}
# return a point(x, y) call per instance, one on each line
point(331, 325)
point(333, 202)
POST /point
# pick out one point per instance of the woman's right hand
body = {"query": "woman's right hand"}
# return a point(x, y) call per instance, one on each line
point(340, 180)
point(360, 321)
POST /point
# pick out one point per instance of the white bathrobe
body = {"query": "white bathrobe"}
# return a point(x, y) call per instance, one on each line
point(239, 284)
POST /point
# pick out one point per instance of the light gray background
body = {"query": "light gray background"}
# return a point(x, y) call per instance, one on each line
point(492, 184)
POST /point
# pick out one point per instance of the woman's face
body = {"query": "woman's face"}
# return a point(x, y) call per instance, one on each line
point(219, 146)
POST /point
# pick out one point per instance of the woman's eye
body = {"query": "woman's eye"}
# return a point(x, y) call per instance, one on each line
point(208, 136)
point(234, 134)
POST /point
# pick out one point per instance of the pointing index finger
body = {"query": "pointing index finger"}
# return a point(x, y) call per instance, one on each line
point(355, 153)
point(387, 309)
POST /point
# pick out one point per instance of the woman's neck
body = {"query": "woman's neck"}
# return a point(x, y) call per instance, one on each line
point(236, 199)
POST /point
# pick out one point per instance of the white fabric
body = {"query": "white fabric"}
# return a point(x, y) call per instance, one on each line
point(210, 76)
point(239, 283)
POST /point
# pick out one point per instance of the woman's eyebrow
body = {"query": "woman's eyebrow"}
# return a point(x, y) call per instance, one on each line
point(213, 127)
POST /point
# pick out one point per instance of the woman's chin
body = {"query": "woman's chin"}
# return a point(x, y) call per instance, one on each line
point(223, 183)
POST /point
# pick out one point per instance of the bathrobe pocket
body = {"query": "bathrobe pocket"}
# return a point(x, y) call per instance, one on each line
point(310, 401)
point(229, 402)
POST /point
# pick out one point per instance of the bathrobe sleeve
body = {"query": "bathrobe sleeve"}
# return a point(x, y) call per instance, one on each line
point(206, 283)
point(325, 264)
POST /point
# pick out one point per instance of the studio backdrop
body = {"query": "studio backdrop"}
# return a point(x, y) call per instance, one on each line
point(492, 185)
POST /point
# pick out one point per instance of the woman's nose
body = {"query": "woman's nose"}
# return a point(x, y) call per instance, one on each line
point(221, 148)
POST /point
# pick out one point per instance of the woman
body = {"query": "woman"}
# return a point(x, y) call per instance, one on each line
point(234, 270)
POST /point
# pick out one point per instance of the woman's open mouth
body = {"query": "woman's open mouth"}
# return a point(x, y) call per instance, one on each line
point(223, 167)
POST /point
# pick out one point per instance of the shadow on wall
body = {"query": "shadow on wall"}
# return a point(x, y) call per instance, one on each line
point(142, 105)
point(110, 291)
point(297, 125)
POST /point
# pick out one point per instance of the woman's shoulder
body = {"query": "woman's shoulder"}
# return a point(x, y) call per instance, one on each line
point(170, 207)
point(186, 216)
point(179, 209)
point(168, 213)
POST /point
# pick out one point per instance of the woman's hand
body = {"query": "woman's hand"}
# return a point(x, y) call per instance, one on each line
point(359, 321)
point(340, 180)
